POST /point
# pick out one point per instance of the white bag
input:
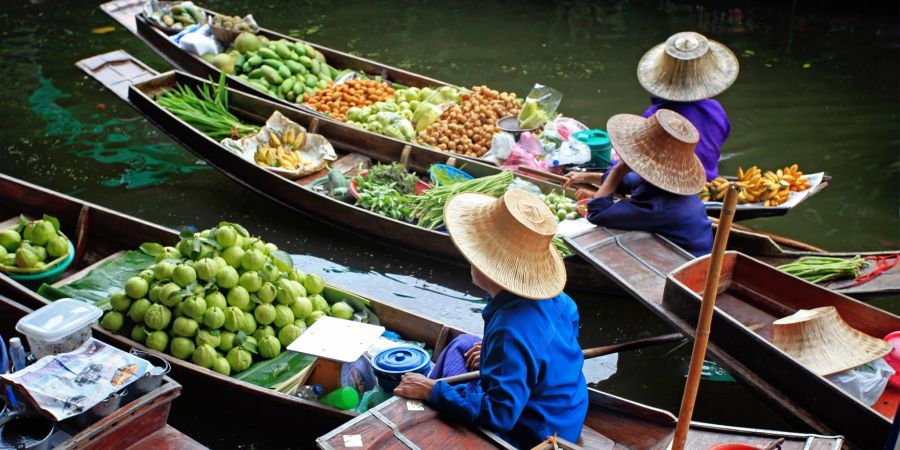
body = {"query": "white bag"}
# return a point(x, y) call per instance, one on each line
point(865, 382)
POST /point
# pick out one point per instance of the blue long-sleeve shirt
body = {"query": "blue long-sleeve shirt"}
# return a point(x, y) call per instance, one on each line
point(680, 218)
point(531, 380)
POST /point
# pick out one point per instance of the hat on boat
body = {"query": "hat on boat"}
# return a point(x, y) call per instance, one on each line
point(821, 340)
point(660, 149)
point(510, 240)
point(687, 67)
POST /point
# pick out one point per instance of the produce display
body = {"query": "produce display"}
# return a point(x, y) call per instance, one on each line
point(468, 128)
point(32, 246)
point(337, 99)
point(387, 189)
point(818, 269)
point(178, 16)
point(429, 207)
point(233, 23)
point(286, 69)
point(411, 110)
point(563, 207)
point(282, 150)
point(770, 188)
point(221, 298)
point(207, 112)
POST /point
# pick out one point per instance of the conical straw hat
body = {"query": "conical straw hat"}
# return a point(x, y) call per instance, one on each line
point(821, 340)
point(509, 239)
point(687, 67)
point(660, 149)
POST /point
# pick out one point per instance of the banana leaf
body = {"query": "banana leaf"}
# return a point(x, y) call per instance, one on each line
point(100, 283)
point(275, 371)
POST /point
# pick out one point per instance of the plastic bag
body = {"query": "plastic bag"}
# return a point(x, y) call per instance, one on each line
point(572, 151)
point(531, 145)
point(434, 105)
point(391, 124)
point(501, 146)
point(315, 151)
point(567, 126)
point(519, 183)
point(540, 105)
point(519, 157)
point(865, 382)
point(199, 40)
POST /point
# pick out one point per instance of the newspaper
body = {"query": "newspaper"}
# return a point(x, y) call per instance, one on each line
point(68, 384)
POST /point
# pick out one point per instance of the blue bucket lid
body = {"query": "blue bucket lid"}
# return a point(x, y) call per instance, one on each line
point(401, 359)
point(595, 139)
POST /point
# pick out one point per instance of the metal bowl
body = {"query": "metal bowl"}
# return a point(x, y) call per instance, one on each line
point(510, 124)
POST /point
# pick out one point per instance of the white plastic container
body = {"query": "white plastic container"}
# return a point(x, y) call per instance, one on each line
point(59, 327)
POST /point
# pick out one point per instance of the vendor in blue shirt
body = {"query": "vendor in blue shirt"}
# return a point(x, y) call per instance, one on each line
point(531, 383)
point(661, 176)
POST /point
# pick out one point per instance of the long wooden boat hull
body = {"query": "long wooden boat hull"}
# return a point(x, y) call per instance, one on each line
point(611, 423)
point(296, 195)
point(107, 233)
point(640, 262)
point(751, 296)
point(129, 13)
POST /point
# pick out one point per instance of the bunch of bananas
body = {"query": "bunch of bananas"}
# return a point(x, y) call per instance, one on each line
point(282, 152)
point(771, 188)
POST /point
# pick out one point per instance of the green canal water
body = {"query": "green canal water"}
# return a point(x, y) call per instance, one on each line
point(817, 87)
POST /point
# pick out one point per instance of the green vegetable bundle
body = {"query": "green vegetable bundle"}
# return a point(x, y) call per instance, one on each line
point(429, 207)
point(818, 269)
point(393, 175)
point(207, 112)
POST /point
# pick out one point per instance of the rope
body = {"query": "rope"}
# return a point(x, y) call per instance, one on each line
point(883, 263)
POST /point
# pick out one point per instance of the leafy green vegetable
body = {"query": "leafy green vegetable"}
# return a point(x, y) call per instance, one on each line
point(102, 281)
point(392, 175)
point(207, 112)
point(272, 372)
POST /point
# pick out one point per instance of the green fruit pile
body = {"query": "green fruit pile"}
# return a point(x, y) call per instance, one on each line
point(221, 299)
point(32, 245)
point(400, 117)
point(283, 68)
point(562, 207)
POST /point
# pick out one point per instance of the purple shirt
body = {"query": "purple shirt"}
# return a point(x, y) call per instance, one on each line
point(710, 120)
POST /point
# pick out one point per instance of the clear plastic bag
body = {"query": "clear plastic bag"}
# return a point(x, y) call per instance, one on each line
point(572, 151)
point(519, 183)
point(501, 146)
point(539, 107)
point(434, 105)
point(392, 124)
point(865, 382)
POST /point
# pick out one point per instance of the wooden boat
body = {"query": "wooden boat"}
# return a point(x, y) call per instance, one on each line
point(102, 234)
point(130, 14)
point(612, 422)
point(141, 423)
point(639, 262)
point(354, 150)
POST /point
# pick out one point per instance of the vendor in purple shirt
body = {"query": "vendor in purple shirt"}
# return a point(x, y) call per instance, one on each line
point(683, 74)
point(659, 150)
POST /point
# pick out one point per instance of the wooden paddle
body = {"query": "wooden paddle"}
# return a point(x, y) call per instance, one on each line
point(589, 353)
point(703, 323)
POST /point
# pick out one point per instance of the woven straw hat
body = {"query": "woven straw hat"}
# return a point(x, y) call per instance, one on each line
point(687, 67)
point(821, 340)
point(509, 239)
point(660, 149)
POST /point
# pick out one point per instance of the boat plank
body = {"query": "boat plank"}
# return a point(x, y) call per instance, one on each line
point(348, 164)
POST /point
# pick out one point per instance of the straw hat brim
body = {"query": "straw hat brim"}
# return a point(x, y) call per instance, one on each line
point(534, 275)
point(825, 344)
point(669, 171)
point(706, 84)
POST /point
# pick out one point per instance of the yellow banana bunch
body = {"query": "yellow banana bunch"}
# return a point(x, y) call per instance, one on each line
point(714, 190)
point(750, 182)
point(778, 198)
point(282, 151)
point(798, 182)
point(777, 188)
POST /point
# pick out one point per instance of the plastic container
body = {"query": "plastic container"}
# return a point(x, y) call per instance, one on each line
point(391, 364)
point(601, 147)
point(452, 172)
point(311, 392)
point(343, 398)
point(48, 276)
point(59, 327)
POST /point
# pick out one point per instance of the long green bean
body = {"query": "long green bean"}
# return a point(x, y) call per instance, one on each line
point(429, 207)
point(818, 269)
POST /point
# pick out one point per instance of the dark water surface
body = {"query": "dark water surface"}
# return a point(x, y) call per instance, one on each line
point(816, 88)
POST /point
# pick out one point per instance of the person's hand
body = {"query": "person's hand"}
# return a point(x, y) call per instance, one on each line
point(582, 194)
point(415, 386)
point(573, 178)
point(473, 357)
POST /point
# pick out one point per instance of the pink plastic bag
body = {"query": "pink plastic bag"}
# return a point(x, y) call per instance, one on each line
point(567, 126)
point(520, 157)
point(528, 143)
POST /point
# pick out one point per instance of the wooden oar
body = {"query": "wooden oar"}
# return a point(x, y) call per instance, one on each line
point(703, 322)
point(589, 353)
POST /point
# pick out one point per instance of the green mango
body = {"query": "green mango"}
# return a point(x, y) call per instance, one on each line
point(306, 61)
point(310, 51)
point(255, 60)
point(315, 67)
point(284, 71)
point(311, 81)
point(320, 57)
point(268, 53)
point(322, 84)
point(299, 48)
point(246, 68)
point(290, 96)
point(240, 60)
point(334, 72)
point(283, 51)
point(298, 87)
point(295, 67)
point(273, 63)
point(257, 73)
point(288, 84)
point(271, 75)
